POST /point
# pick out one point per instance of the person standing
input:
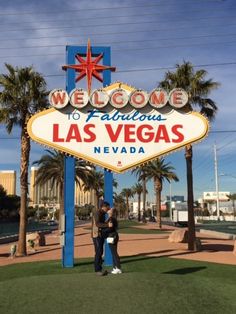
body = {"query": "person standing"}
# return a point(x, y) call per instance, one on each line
point(112, 239)
point(99, 223)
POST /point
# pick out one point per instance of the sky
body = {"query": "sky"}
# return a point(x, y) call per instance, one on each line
point(147, 38)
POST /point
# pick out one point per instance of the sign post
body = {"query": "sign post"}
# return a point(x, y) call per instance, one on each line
point(69, 162)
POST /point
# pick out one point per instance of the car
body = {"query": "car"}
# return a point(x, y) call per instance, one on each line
point(52, 223)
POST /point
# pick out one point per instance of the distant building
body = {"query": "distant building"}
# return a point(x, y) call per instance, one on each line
point(8, 181)
point(212, 196)
point(41, 194)
point(210, 199)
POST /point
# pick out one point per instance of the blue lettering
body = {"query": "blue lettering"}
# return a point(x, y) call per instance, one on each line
point(115, 149)
point(97, 150)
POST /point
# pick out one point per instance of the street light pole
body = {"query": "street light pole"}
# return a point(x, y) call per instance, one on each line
point(217, 183)
point(170, 209)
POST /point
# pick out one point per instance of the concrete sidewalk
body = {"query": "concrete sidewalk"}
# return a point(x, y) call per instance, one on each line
point(214, 250)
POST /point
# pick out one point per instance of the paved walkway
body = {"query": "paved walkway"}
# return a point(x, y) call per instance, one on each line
point(214, 250)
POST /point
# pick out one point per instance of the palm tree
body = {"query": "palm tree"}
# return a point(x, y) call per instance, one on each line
point(51, 168)
point(138, 189)
point(95, 181)
point(45, 200)
point(127, 193)
point(159, 171)
point(141, 174)
point(119, 204)
point(198, 89)
point(23, 93)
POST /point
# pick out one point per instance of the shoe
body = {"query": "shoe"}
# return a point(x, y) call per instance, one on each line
point(102, 273)
point(116, 271)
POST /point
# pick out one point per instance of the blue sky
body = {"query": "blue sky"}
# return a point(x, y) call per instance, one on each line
point(143, 35)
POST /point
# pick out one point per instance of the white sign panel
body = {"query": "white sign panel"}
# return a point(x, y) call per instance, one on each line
point(117, 139)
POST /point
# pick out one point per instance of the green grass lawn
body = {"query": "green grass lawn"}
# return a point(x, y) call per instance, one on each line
point(148, 285)
point(222, 226)
point(129, 227)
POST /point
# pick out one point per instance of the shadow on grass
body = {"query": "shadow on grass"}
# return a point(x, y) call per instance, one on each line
point(185, 271)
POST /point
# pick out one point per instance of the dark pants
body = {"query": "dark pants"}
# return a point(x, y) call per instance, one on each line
point(98, 246)
point(114, 253)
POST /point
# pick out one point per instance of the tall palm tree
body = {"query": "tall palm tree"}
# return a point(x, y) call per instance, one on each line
point(95, 181)
point(198, 89)
point(51, 168)
point(23, 93)
point(127, 193)
point(141, 174)
point(159, 171)
point(138, 189)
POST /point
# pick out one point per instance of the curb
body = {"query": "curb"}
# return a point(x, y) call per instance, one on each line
point(217, 234)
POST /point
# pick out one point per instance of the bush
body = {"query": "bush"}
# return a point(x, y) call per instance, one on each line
point(31, 211)
point(43, 212)
point(165, 213)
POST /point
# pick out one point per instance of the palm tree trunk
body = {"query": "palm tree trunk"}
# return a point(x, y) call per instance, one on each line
point(61, 202)
point(127, 207)
point(191, 222)
point(25, 151)
point(157, 186)
point(144, 196)
point(139, 203)
point(97, 200)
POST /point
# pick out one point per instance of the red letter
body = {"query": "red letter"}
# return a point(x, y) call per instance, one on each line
point(150, 135)
point(113, 135)
point(78, 98)
point(162, 134)
point(115, 96)
point(180, 136)
point(55, 136)
point(128, 132)
point(177, 98)
point(96, 99)
point(92, 136)
point(158, 98)
point(58, 97)
point(137, 98)
point(73, 134)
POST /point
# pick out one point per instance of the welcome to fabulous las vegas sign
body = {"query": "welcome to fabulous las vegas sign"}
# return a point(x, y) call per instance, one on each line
point(118, 127)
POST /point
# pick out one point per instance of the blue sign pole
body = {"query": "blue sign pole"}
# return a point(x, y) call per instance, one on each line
point(69, 182)
point(69, 162)
point(108, 175)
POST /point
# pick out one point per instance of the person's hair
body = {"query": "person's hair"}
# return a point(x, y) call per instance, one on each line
point(106, 204)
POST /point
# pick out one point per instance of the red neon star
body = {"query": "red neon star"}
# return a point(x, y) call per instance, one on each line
point(89, 67)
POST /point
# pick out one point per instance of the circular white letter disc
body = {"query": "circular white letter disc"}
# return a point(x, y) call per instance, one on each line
point(119, 98)
point(158, 98)
point(58, 98)
point(99, 98)
point(79, 98)
point(178, 98)
point(138, 98)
